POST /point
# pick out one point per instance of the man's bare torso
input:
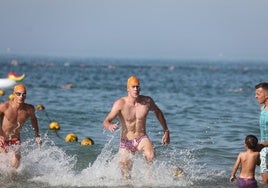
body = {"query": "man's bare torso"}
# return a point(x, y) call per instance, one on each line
point(12, 119)
point(133, 116)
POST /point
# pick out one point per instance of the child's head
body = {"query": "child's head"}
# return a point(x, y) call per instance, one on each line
point(251, 141)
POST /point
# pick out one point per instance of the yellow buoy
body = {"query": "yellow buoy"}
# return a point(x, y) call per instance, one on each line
point(71, 137)
point(177, 172)
point(54, 125)
point(40, 107)
point(87, 141)
point(2, 92)
point(11, 97)
point(180, 174)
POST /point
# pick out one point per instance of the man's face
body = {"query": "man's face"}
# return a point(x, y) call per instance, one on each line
point(261, 95)
point(19, 96)
point(134, 90)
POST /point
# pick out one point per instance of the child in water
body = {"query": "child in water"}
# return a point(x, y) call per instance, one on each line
point(248, 161)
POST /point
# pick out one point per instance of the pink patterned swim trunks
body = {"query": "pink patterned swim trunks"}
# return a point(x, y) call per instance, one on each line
point(131, 144)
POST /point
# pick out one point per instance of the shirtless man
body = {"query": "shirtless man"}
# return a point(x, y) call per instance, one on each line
point(13, 114)
point(248, 161)
point(132, 111)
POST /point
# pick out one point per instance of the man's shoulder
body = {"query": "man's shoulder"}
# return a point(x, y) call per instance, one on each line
point(120, 101)
point(144, 98)
point(29, 107)
point(4, 104)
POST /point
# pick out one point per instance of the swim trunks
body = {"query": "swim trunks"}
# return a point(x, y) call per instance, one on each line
point(247, 183)
point(6, 143)
point(131, 144)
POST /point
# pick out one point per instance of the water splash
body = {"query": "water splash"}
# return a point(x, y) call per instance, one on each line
point(52, 166)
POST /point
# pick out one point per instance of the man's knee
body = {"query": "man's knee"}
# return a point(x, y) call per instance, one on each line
point(150, 156)
point(16, 160)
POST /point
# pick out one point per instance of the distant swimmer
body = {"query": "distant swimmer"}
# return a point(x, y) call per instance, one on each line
point(132, 111)
point(67, 86)
point(14, 113)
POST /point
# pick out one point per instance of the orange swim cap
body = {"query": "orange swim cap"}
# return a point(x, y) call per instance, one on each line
point(19, 87)
point(132, 80)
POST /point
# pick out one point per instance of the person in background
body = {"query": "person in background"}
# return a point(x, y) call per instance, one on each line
point(248, 161)
point(261, 94)
point(14, 113)
point(132, 111)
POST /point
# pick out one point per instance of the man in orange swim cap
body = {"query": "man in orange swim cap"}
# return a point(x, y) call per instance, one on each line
point(13, 114)
point(133, 81)
point(19, 87)
point(132, 111)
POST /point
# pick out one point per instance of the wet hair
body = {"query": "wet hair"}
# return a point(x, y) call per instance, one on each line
point(263, 85)
point(251, 141)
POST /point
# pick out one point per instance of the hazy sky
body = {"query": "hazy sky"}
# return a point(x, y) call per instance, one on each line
point(148, 28)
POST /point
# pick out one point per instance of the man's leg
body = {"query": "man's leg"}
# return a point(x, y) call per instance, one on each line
point(16, 156)
point(126, 163)
point(147, 149)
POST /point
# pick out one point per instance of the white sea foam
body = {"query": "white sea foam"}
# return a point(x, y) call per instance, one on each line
point(52, 166)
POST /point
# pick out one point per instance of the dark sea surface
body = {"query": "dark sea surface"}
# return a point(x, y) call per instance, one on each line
point(209, 106)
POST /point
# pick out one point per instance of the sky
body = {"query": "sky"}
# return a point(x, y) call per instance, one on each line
point(180, 29)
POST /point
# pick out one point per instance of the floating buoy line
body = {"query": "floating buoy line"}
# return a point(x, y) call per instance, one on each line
point(70, 137)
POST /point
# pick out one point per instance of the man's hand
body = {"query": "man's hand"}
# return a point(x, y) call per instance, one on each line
point(112, 127)
point(39, 141)
point(165, 138)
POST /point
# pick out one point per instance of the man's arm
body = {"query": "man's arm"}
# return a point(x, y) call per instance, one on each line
point(35, 125)
point(262, 145)
point(111, 116)
point(160, 116)
point(34, 121)
point(3, 107)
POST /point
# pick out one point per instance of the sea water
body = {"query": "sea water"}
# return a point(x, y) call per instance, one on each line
point(209, 107)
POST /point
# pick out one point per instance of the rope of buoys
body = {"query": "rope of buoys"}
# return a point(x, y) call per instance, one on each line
point(42, 108)
point(70, 137)
point(53, 125)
